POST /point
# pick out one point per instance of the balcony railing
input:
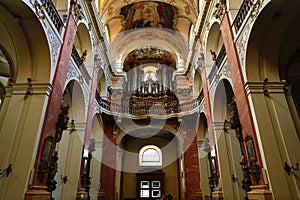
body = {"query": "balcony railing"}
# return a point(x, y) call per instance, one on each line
point(76, 57)
point(155, 110)
point(241, 15)
point(53, 14)
point(221, 56)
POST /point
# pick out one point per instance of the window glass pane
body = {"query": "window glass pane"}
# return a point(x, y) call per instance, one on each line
point(155, 184)
point(151, 155)
point(145, 193)
point(145, 184)
point(155, 193)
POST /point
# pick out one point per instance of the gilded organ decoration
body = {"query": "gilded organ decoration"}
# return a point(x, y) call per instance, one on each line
point(148, 55)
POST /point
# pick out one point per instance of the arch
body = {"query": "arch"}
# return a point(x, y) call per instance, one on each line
point(75, 98)
point(169, 146)
point(83, 44)
point(101, 87)
point(267, 53)
point(197, 83)
point(97, 135)
point(30, 59)
point(227, 145)
point(150, 155)
point(273, 53)
point(223, 96)
point(214, 44)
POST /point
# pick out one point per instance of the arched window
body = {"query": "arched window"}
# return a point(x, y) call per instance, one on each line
point(150, 155)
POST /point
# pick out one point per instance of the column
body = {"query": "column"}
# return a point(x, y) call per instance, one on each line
point(95, 170)
point(204, 170)
point(22, 118)
point(108, 164)
point(241, 97)
point(278, 137)
point(89, 120)
point(72, 161)
point(191, 162)
point(54, 103)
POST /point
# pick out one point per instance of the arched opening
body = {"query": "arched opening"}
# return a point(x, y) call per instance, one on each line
point(97, 135)
point(203, 150)
point(83, 46)
point(197, 84)
point(272, 60)
point(228, 147)
point(213, 46)
point(157, 153)
point(101, 88)
point(70, 147)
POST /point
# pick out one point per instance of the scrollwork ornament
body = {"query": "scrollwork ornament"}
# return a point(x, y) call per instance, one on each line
point(256, 5)
point(39, 9)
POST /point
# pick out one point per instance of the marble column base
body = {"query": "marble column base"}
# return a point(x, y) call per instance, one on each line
point(260, 192)
point(81, 194)
point(37, 193)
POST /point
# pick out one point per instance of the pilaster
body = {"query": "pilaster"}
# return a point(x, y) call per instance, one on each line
point(242, 101)
point(278, 138)
point(49, 128)
point(22, 119)
point(108, 164)
point(191, 163)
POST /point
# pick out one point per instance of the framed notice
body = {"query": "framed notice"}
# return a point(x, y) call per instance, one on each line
point(250, 148)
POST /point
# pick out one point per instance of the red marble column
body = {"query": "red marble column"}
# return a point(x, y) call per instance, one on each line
point(238, 87)
point(54, 103)
point(208, 109)
point(191, 162)
point(90, 113)
point(108, 162)
point(89, 122)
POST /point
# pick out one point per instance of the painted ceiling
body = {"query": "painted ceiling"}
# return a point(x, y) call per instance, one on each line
point(132, 25)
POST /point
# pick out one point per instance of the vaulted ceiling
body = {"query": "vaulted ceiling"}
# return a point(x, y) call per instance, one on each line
point(132, 25)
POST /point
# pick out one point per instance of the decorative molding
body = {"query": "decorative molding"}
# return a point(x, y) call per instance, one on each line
point(34, 88)
point(55, 45)
point(242, 42)
point(261, 87)
point(39, 9)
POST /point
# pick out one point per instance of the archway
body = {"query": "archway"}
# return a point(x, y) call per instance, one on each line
point(97, 135)
point(197, 84)
point(203, 150)
point(271, 60)
point(168, 144)
point(70, 147)
point(213, 45)
point(83, 46)
point(227, 145)
point(25, 70)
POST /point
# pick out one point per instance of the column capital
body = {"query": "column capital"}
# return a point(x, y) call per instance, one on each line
point(264, 87)
point(76, 126)
point(29, 89)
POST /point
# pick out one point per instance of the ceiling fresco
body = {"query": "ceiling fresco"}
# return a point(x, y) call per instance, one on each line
point(148, 14)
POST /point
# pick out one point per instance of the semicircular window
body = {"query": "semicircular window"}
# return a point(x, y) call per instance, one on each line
point(150, 155)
